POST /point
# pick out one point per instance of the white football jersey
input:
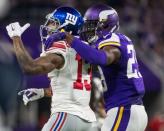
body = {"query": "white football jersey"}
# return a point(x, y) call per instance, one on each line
point(71, 85)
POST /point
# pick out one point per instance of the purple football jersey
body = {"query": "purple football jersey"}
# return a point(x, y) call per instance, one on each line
point(124, 82)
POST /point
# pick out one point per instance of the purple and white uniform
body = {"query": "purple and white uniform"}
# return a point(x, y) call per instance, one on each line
point(125, 87)
point(123, 79)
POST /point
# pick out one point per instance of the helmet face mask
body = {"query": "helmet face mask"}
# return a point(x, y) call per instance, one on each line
point(51, 26)
point(88, 31)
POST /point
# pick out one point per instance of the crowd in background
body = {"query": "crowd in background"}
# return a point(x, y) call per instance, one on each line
point(141, 19)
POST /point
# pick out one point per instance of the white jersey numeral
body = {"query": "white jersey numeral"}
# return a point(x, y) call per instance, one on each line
point(132, 71)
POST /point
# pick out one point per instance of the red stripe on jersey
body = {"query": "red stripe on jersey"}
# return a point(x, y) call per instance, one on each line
point(58, 45)
point(52, 48)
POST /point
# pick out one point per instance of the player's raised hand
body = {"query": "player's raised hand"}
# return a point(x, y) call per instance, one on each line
point(14, 29)
point(31, 94)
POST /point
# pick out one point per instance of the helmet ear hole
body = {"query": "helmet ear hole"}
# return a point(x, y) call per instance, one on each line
point(104, 25)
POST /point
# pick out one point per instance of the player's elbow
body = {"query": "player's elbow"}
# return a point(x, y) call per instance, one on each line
point(29, 69)
point(36, 69)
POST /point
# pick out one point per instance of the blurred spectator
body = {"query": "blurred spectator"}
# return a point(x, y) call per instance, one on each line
point(10, 81)
point(4, 8)
point(156, 123)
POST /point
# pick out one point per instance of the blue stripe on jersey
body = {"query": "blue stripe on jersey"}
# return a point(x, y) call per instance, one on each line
point(61, 117)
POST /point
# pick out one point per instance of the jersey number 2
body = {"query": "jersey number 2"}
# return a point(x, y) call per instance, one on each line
point(132, 66)
point(79, 84)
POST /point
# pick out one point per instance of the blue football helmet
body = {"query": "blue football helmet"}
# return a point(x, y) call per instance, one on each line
point(62, 19)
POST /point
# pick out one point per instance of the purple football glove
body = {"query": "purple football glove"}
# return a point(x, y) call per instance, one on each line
point(54, 38)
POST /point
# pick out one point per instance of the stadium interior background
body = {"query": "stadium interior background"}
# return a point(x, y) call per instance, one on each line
point(141, 20)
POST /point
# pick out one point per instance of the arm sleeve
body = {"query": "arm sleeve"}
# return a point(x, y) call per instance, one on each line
point(88, 53)
point(59, 48)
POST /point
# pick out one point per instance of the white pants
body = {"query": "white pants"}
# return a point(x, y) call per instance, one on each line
point(133, 118)
point(67, 122)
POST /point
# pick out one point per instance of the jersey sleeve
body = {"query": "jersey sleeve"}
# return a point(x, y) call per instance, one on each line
point(60, 48)
point(112, 40)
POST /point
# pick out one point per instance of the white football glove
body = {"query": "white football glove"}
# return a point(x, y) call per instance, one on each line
point(14, 29)
point(31, 94)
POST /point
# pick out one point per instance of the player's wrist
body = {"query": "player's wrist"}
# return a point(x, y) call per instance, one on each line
point(16, 38)
point(47, 92)
point(69, 38)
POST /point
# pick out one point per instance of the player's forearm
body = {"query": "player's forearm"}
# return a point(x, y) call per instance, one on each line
point(24, 59)
point(20, 49)
point(88, 53)
point(47, 92)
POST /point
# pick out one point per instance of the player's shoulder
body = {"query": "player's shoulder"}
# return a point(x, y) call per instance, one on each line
point(109, 39)
point(55, 47)
point(123, 37)
point(114, 39)
point(58, 45)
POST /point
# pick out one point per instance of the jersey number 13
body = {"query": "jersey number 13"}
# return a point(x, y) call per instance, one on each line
point(79, 84)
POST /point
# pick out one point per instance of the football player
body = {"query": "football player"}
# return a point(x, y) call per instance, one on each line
point(70, 76)
point(115, 54)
